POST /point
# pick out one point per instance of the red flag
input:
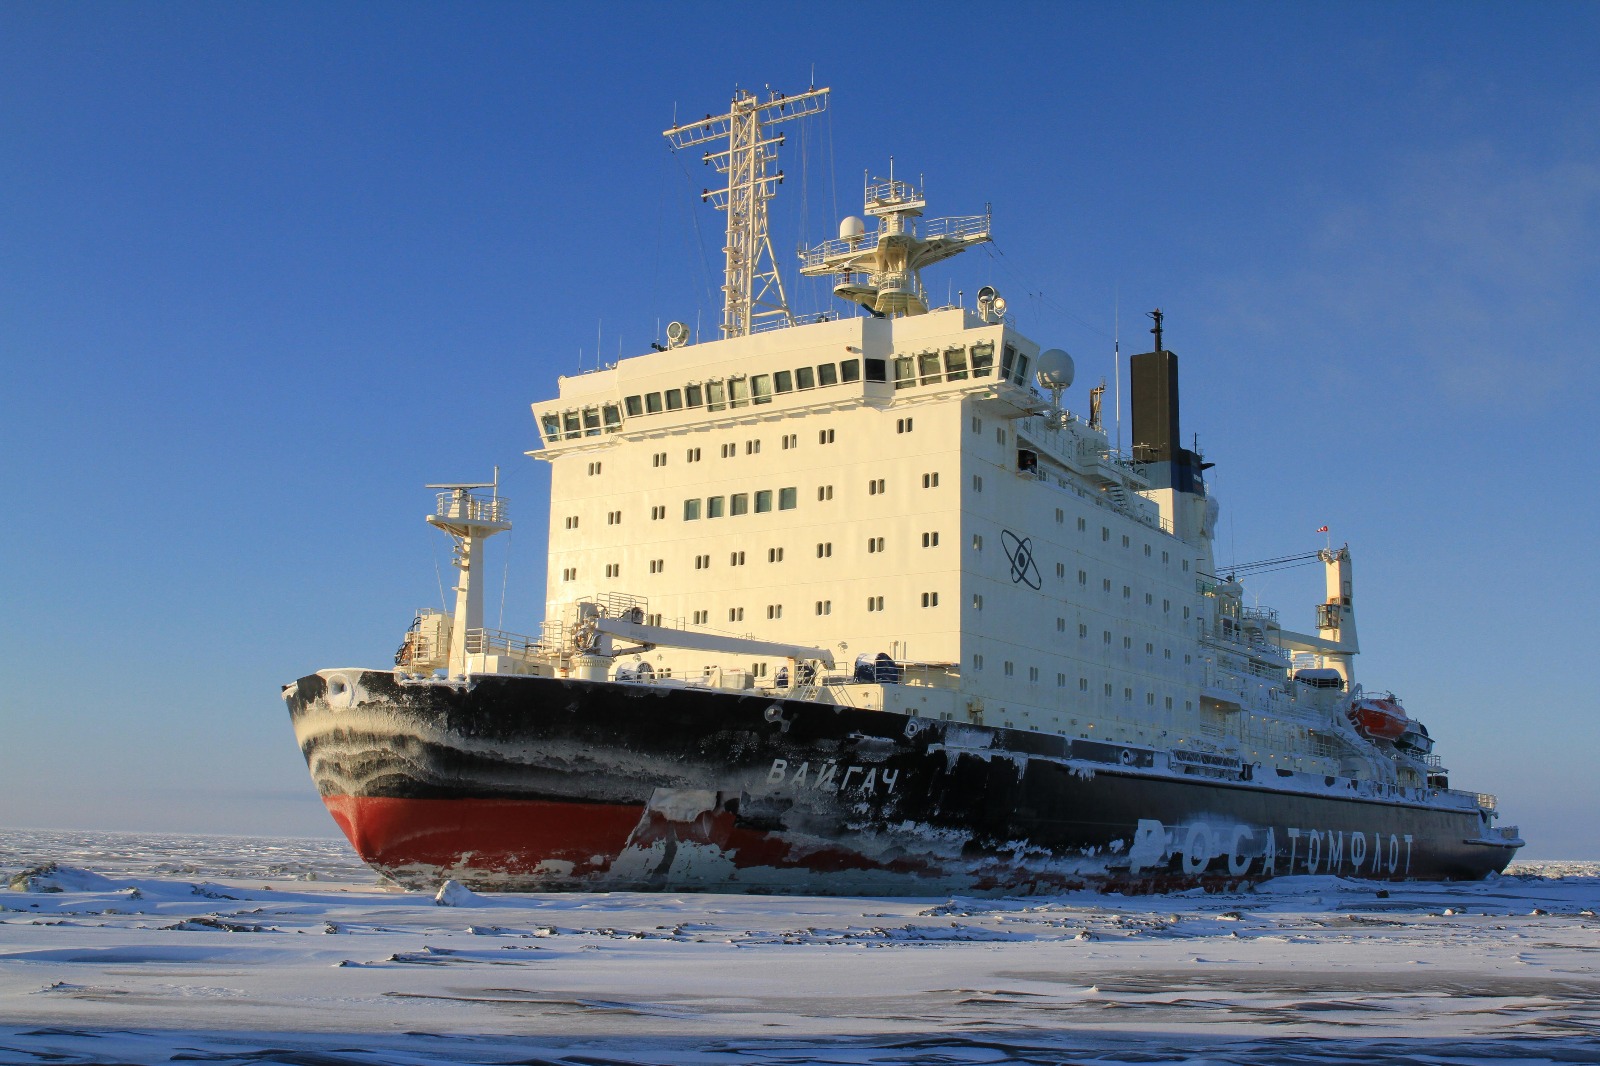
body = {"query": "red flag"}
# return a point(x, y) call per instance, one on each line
point(1322, 529)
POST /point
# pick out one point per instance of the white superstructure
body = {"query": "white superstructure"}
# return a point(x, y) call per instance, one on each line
point(896, 486)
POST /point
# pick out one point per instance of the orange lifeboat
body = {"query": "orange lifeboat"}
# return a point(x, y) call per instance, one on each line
point(1380, 717)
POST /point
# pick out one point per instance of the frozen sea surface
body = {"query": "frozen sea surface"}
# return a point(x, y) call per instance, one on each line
point(232, 950)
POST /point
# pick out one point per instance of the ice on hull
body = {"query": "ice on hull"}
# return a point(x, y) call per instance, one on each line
point(525, 783)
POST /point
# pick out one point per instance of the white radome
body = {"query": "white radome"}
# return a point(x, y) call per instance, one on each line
point(850, 227)
point(1056, 369)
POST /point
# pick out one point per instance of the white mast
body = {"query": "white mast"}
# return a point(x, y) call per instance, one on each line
point(470, 520)
point(882, 270)
point(752, 290)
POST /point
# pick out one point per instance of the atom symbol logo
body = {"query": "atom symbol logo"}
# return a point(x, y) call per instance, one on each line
point(1020, 551)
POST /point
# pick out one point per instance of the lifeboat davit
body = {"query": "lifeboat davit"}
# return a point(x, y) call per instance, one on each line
point(1381, 717)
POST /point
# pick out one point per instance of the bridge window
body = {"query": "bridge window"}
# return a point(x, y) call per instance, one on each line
point(982, 359)
point(903, 372)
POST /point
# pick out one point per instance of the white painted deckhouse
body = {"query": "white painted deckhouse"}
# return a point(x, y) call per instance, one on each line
point(894, 484)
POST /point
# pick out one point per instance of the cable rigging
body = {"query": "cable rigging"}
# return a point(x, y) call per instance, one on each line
point(1268, 566)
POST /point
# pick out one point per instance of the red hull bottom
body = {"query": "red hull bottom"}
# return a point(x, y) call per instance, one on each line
point(512, 837)
point(535, 845)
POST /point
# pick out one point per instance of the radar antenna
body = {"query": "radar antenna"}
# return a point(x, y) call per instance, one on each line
point(752, 291)
point(882, 271)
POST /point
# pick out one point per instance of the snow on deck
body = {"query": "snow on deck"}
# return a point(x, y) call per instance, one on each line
point(139, 949)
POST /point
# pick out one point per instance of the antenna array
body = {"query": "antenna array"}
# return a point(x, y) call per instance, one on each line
point(752, 290)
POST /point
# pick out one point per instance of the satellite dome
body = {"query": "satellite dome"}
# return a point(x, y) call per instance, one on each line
point(1055, 369)
point(851, 227)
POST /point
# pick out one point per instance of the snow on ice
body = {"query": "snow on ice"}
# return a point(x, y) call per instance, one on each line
point(116, 948)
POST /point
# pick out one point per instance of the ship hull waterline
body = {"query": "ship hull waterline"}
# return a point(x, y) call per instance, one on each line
point(538, 784)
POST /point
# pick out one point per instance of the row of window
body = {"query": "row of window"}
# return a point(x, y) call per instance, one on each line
point(742, 390)
point(775, 610)
point(1009, 669)
point(735, 391)
point(955, 364)
point(739, 503)
point(775, 555)
point(930, 368)
point(1127, 542)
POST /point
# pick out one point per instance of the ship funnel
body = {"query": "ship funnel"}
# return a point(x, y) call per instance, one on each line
point(1156, 429)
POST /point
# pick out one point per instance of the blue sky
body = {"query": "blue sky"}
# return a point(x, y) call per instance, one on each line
point(265, 269)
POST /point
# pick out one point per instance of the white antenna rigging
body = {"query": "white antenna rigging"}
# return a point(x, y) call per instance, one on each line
point(752, 290)
point(1116, 355)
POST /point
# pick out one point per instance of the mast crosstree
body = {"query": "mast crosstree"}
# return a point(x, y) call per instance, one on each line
point(752, 290)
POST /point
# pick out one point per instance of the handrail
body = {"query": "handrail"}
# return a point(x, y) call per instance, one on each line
point(889, 190)
point(472, 508)
point(955, 226)
point(814, 257)
point(484, 641)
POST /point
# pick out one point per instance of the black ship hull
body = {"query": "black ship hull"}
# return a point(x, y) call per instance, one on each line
point(522, 783)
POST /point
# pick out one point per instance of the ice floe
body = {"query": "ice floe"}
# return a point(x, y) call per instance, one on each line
point(124, 949)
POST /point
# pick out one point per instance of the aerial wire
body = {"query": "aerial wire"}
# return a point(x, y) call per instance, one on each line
point(810, 291)
point(700, 241)
point(998, 256)
point(661, 204)
point(505, 579)
point(1233, 548)
point(437, 576)
point(833, 167)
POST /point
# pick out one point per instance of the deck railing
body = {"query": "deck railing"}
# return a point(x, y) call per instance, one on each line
point(471, 508)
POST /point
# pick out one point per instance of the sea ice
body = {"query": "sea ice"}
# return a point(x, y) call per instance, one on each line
point(137, 950)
